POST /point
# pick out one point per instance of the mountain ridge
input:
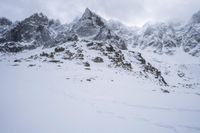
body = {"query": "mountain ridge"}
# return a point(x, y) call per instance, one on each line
point(113, 41)
point(161, 38)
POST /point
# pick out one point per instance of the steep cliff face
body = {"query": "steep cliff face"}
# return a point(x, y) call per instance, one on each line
point(4, 26)
point(31, 30)
point(160, 37)
point(191, 36)
point(92, 26)
point(165, 38)
point(88, 25)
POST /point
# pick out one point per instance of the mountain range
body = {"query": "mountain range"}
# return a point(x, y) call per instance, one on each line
point(162, 38)
point(120, 44)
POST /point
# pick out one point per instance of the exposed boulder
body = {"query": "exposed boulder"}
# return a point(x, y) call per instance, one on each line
point(68, 55)
point(50, 55)
point(59, 49)
point(86, 64)
point(98, 60)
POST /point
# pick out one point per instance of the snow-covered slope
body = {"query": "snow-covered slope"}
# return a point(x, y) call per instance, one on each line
point(40, 94)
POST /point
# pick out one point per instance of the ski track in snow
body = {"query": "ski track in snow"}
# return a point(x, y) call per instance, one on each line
point(95, 102)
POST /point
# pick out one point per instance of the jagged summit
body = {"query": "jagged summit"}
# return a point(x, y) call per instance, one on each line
point(88, 25)
point(5, 21)
point(161, 38)
point(32, 30)
point(88, 13)
point(38, 15)
point(38, 19)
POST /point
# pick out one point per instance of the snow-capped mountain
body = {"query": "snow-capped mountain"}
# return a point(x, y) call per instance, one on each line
point(90, 31)
point(109, 39)
point(27, 34)
point(161, 38)
point(166, 38)
point(31, 30)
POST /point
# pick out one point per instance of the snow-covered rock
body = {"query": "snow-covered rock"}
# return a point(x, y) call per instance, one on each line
point(191, 36)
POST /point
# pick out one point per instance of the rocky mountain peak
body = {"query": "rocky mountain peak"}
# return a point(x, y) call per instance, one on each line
point(88, 25)
point(32, 29)
point(196, 17)
point(38, 19)
point(87, 14)
point(4, 21)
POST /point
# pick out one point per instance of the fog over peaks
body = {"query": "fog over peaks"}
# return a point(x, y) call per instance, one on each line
point(130, 12)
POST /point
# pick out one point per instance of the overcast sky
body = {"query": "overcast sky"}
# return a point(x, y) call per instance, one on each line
point(131, 12)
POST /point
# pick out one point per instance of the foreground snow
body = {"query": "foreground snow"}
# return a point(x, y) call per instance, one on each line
point(67, 98)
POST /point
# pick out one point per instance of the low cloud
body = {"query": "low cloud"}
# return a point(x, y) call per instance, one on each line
point(131, 12)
